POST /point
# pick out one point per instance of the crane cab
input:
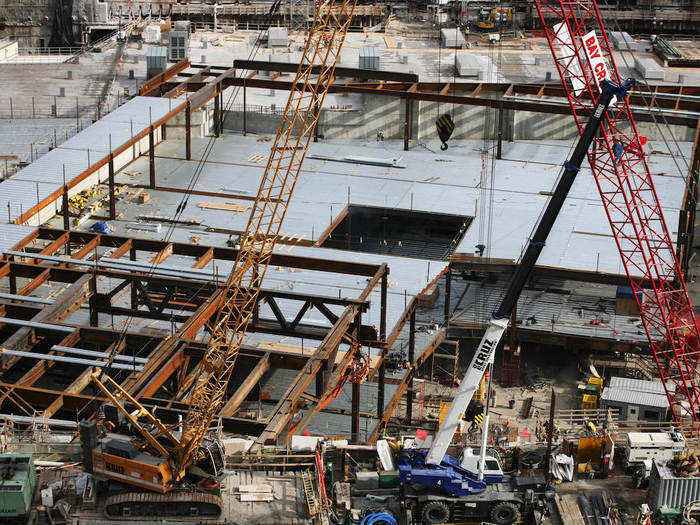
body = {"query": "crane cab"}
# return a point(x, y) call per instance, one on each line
point(121, 461)
point(493, 473)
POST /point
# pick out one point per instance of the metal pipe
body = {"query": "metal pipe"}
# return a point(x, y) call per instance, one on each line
point(72, 360)
point(42, 420)
point(94, 353)
point(26, 298)
point(33, 324)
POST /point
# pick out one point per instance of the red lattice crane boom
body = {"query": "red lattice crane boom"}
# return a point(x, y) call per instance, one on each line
point(583, 58)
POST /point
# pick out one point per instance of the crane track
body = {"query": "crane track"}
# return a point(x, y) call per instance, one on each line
point(146, 505)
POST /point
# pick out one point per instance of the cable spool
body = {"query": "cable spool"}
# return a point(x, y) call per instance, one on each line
point(445, 126)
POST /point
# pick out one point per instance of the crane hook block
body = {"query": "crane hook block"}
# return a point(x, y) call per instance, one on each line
point(445, 126)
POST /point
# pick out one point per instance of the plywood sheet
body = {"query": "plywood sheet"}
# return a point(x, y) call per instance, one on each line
point(225, 206)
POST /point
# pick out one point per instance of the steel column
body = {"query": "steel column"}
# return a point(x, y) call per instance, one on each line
point(411, 359)
point(188, 132)
point(448, 290)
point(382, 337)
point(151, 159)
point(500, 131)
point(217, 115)
point(112, 197)
point(407, 124)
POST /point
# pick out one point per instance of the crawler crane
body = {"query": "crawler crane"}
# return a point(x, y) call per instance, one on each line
point(158, 469)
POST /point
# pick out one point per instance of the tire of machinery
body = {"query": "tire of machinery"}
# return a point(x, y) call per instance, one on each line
point(504, 513)
point(435, 512)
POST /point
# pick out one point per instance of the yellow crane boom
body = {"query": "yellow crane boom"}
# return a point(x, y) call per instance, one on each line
point(287, 154)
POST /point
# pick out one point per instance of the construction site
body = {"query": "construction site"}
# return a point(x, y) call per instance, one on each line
point(349, 262)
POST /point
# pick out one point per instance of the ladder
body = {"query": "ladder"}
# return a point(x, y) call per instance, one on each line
point(312, 503)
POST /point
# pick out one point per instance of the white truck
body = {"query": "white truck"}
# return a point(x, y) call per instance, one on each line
point(642, 448)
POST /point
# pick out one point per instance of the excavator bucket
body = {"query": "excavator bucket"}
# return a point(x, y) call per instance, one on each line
point(445, 126)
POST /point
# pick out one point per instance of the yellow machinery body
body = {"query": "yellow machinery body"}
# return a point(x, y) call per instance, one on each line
point(589, 402)
point(591, 393)
point(145, 471)
point(495, 18)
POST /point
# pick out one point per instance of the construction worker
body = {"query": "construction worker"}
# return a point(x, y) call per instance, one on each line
point(380, 135)
point(618, 150)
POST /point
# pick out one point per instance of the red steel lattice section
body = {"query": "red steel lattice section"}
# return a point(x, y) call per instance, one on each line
point(583, 58)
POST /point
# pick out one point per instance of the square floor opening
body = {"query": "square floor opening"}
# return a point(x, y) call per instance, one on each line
point(399, 232)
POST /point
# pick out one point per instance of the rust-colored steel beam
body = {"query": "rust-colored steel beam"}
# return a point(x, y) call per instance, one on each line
point(325, 353)
point(65, 304)
point(163, 374)
point(196, 250)
point(147, 90)
point(403, 386)
point(246, 387)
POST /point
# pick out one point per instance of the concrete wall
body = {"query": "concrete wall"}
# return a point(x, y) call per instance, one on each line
point(471, 122)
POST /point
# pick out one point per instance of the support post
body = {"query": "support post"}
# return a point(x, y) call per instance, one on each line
point(13, 283)
point(355, 431)
point(151, 159)
point(382, 337)
point(513, 323)
point(411, 359)
point(112, 198)
point(550, 435)
point(94, 315)
point(217, 117)
point(134, 291)
point(500, 131)
point(448, 291)
point(245, 111)
point(188, 133)
point(163, 132)
point(64, 209)
point(407, 124)
point(356, 413)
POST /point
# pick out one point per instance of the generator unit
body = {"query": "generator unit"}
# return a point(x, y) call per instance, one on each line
point(17, 484)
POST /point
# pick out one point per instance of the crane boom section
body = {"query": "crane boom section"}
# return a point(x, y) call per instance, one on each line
point(287, 154)
point(230, 322)
point(583, 58)
point(497, 326)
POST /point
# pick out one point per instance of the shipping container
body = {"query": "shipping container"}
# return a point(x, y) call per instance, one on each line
point(669, 491)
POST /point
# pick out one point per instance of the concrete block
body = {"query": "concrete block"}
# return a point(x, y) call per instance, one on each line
point(452, 38)
point(301, 443)
point(622, 41)
point(277, 37)
point(648, 68)
point(470, 65)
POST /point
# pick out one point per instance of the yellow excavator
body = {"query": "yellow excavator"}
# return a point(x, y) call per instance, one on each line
point(172, 469)
point(495, 18)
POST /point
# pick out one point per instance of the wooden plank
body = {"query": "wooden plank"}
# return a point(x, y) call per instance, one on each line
point(307, 351)
point(162, 255)
point(225, 206)
point(569, 510)
point(262, 487)
point(252, 497)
